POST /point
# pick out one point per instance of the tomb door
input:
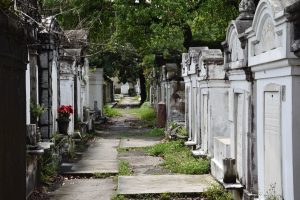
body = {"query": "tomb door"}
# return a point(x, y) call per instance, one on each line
point(188, 110)
point(239, 132)
point(272, 139)
point(204, 121)
point(198, 120)
point(194, 115)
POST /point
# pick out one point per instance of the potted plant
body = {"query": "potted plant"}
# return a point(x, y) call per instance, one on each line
point(36, 111)
point(64, 113)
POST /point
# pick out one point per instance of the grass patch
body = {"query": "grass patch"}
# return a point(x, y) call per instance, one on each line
point(146, 112)
point(102, 175)
point(124, 168)
point(111, 112)
point(131, 111)
point(178, 158)
point(156, 132)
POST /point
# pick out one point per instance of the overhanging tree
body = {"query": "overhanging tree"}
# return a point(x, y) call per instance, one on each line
point(124, 34)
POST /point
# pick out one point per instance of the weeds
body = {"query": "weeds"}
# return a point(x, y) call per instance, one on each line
point(118, 197)
point(271, 194)
point(216, 192)
point(111, 112)
point(98, 175)
point(49, 168)
point(178, 158)
point(124, 169)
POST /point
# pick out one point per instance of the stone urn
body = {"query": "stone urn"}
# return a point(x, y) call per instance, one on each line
point(63, 125)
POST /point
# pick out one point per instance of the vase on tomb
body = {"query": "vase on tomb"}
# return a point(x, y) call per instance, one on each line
point(63, 126)
point(63, 120)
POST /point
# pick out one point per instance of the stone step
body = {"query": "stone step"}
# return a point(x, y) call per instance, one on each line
point(90, 167)
point(159, 184)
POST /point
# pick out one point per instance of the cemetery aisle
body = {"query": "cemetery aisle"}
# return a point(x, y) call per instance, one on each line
point(145, 175)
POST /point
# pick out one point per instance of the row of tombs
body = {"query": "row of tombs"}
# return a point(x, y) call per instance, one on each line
point(58, 74)
point(240, 106)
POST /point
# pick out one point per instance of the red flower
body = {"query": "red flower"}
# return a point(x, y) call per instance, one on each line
point(65, 111)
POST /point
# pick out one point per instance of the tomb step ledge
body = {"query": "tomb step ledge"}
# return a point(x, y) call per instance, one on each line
point(231, 186)
point(199, 153)
point(190, 143)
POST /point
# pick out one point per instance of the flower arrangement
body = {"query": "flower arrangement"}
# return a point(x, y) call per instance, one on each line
point(64, 112)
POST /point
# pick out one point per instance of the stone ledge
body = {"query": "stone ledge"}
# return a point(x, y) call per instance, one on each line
point(190, 143)
point(199, 153)
point(35, 152)
point(231, 186)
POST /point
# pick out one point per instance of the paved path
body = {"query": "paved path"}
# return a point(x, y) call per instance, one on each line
point(101, 157)
point(85, 189)
point(149, 177)
point(163, 184)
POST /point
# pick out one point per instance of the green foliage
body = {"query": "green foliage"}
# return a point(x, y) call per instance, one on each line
point(111, 112)
point(124, 168)
point(216, 192)
point(146, 112)
point(178, 158)
point(212, 18)
point(49, 168)
point(37, 110)
point(155, 132)
point(125, 35)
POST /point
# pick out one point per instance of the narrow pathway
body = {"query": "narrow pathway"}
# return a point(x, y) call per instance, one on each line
point(148, 176)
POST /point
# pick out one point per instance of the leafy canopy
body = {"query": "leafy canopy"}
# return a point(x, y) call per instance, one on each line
point(125, 35)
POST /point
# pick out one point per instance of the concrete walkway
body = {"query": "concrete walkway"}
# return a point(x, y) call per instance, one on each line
point(85, 189)
point(101, 157)
point(158, 184)
point(149, 177)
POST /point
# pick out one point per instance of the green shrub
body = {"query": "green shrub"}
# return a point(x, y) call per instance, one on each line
point(178, 158)
point(216, 192)
point(111, 112)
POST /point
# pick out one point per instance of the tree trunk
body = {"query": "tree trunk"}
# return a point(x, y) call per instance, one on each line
point(143, 87)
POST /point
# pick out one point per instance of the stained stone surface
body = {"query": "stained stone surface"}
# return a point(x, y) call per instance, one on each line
point(85, 189)
point(164, 184)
